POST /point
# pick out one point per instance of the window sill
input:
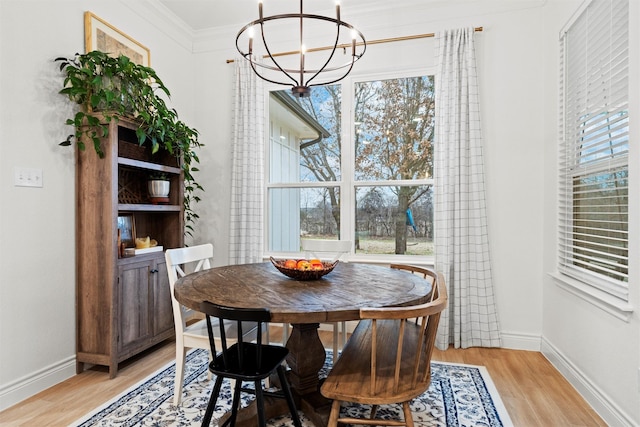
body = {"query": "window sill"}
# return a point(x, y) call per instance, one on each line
point(612, 305)
point(417, 260)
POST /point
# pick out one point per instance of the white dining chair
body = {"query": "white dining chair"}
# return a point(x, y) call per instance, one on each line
point(329, 250)
point(181, 262)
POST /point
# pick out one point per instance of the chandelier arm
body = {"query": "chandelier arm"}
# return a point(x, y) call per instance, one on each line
point(255, 70)
point(264, 43)
point(248, 57)
point(333, 51)
point(338, 79)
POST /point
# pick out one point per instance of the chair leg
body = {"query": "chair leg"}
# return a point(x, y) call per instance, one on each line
point(336, 349)
point(236, 403)
point(344, 334)
point(209, 374)
point(260, 404)
point(335, 413)
point(206, 421)
point(374, 411)
point(286, 389)
point(408, 416)
point(179, 378)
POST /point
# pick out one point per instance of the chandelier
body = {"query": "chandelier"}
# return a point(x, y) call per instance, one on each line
point(303, 71)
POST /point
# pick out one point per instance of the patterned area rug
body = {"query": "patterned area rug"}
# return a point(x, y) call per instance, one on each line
point(460, 395)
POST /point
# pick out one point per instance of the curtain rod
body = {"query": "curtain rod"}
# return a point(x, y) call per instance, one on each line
point(346, 45)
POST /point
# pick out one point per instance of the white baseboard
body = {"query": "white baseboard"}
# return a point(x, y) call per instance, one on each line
point(22, 388)
point(520, 341)
point(599, 401)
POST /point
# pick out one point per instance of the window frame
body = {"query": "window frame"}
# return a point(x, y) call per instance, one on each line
point(611, 294)
point(347, 184)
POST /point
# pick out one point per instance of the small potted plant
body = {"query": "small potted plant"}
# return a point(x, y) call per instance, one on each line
point(159, 187)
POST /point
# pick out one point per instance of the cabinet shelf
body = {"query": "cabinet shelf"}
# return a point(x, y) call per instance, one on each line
point(140, 164)
point(130, 207)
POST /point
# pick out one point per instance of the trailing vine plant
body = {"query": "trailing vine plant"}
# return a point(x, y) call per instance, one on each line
point(108, 88)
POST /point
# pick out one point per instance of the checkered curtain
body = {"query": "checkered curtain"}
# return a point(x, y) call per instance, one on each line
point(461, 236)
point(247, 168)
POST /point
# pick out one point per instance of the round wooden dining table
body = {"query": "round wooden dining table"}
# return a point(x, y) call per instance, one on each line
point(335, 297)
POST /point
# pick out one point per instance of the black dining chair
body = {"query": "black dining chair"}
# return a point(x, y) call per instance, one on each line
point(245, 361)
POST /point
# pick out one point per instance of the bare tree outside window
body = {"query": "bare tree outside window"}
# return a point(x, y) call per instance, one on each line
point(391, 175)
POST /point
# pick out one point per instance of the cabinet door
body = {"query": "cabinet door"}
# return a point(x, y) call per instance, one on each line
point(134, 304)
point(162, 309)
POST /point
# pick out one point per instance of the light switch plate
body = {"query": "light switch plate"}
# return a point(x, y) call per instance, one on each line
point(27, 177)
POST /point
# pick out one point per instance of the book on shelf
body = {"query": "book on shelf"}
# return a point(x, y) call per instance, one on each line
point(133, 251)
point(149, 250)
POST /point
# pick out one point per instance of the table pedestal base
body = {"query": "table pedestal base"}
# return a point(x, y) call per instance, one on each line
point(316, 407)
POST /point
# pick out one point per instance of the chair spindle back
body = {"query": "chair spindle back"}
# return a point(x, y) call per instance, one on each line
point(259, 316)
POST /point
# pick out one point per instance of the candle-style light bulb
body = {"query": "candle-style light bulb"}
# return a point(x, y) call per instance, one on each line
point(338, 10)
point(250, 34)
point(354, 35)
point(260, 8)
point(303, 50)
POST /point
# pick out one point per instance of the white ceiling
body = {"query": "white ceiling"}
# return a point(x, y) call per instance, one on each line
point(203, 14)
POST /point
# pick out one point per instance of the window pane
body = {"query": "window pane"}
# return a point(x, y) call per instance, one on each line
point(600, 226)
point(302, 212)
point(394, 220)
point(394, 129)
point(305, 139)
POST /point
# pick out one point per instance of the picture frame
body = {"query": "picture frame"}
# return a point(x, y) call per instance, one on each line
point(127, 229)
point(102, 36)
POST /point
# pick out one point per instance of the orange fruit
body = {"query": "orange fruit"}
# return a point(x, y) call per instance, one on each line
point(290, 263)
point(303, 264)
point(315, 262)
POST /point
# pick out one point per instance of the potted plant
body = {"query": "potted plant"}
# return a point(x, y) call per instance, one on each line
point(159, 187)
point(107, 88)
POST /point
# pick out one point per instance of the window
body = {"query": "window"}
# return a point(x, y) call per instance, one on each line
point(593, 199)
point(371, 184)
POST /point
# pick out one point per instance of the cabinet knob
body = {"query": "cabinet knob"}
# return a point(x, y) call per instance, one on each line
point(154, 271)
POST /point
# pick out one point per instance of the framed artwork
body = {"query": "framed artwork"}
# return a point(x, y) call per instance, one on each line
point(102, 36)
point(127, 228)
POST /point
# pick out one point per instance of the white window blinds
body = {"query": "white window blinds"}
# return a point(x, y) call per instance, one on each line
point(593, 166)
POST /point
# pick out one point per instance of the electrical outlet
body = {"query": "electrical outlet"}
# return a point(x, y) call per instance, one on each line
point(27, 177)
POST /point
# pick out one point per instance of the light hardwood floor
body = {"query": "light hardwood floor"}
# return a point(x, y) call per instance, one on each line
point(533, 391)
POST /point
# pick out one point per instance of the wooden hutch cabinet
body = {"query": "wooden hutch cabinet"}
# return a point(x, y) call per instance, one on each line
point(123, 304)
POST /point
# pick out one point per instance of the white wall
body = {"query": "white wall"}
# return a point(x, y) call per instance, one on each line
point(517, 55)
point(37, 258)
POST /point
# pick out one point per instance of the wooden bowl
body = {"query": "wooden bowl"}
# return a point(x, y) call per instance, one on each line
point(294, 273)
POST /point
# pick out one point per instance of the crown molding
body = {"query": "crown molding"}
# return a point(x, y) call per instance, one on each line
point(164, 20)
